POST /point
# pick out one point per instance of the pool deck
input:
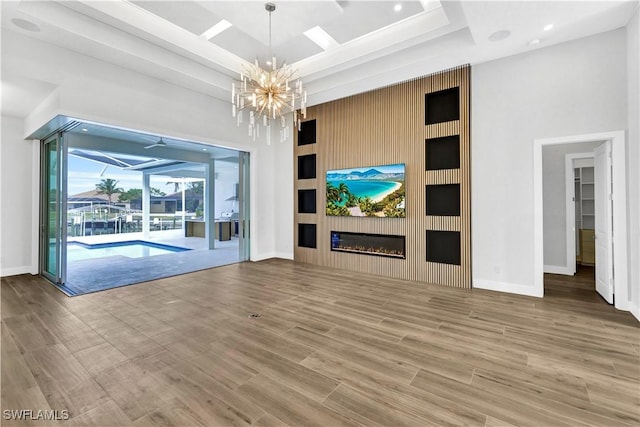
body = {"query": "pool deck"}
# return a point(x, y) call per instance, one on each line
point(167, 237)
point(92, 275)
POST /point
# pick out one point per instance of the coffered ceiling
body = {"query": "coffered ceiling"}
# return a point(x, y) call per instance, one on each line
point(371, 43)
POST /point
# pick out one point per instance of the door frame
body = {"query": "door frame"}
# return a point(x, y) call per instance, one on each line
point(617, 139)
point(571, 209)
point(244, 205)
point(61, 209)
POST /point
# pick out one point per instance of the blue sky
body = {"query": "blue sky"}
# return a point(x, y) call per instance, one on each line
point(85, 174)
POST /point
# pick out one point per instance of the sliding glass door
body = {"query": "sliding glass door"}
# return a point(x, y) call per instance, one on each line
point(244, 206)
point(53, 212)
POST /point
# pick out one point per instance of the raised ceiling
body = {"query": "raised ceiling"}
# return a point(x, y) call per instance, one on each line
point(248, 35)
point(373, 44)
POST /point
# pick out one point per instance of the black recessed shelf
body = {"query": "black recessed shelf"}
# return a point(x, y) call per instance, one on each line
point(443, 247)
point(442, 106)
point(442, 153)
point(443, 199)
point(368, 244)
point(307, 235)
point(306, 201)
point(307, 133)
point(307, 166)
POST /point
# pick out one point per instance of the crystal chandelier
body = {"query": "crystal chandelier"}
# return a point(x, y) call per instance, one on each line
point(268, 94)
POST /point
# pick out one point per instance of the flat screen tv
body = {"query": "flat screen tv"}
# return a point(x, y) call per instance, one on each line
point(376, 191)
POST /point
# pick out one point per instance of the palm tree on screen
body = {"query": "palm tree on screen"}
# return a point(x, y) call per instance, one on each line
point(343, 191)
point(333, 195)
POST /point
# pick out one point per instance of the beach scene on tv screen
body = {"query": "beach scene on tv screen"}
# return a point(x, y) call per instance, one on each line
point(376, 191)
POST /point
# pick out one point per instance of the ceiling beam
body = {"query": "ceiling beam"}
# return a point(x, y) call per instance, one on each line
point(166, 169)
point(110, 145)
point(184, 174)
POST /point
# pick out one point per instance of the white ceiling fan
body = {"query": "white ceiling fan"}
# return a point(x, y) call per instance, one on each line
point(160, 143)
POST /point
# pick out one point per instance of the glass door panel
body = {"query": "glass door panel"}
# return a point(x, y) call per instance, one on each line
point(50, 189)
point(244, 207)
point(53, 213)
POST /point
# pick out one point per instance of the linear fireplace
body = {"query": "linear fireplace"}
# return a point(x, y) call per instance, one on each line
point(368, 244)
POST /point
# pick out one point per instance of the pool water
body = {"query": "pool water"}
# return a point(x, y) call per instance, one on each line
point(131, 249)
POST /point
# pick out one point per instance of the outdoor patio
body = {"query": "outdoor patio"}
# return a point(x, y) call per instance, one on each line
point(92, 275)
point(166, 237)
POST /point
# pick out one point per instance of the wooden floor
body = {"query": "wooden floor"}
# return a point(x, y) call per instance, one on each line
point(327, 348)
point(579, 287)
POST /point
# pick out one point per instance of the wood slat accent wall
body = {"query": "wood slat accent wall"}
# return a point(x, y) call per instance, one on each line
point(387, 126)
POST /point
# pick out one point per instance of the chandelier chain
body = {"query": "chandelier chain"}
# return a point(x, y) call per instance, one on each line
point(270, 51)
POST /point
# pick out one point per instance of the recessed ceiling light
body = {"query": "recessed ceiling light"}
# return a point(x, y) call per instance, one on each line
point(25, 25)
point(534, 42)
point(85, 130)
point(204, 149)
point(321, 38)
point(499, 35)
point(397, 7)
point(216, 29)
point(548, 27)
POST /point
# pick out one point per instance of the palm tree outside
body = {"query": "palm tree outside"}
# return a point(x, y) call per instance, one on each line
point(109, 187)
point(197, 187)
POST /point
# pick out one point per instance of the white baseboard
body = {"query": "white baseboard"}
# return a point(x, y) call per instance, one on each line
point(283, 255)
point(269, 255)
point(635, 310)
point(510, 288)
point(558, 269)
point(261, 257)
point(14, 271)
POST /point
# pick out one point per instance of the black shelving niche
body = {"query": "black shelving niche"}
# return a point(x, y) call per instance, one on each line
point(307, 133)
point(442, 106)
point(307, 236)
point(442, 153)
point(443, 199)
point(307, 166)
point(443, 247)
point(306, 201)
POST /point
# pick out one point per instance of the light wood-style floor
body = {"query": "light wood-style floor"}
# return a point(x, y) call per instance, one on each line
point(329, 348)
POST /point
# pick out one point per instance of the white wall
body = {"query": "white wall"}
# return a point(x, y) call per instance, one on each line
point(573, 88)
point(633, 160)
point(94, 90)
point(226, 180)
point(283, 184)
point(554, 199)
point(16, 187)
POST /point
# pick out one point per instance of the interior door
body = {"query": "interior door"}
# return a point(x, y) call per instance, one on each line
point(603, 222)
point(53, 212)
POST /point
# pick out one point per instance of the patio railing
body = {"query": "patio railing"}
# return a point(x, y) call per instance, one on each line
point(91, 225)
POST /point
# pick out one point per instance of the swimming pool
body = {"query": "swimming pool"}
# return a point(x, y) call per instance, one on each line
point(77, 251)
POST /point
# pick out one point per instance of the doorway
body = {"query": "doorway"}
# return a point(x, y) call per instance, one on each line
point(580, 208)
point(120, 207)
point(569, 201)
point(618, 258)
